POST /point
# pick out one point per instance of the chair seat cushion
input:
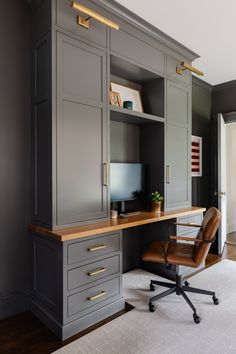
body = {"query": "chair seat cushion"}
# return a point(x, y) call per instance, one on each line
point(177, 253)
point(181, 254)
point(155, 252)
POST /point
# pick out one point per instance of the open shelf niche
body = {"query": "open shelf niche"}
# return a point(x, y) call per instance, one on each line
point(138, 137)
point(149, 84)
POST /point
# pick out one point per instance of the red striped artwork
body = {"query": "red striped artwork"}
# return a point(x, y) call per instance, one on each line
point(196, 154)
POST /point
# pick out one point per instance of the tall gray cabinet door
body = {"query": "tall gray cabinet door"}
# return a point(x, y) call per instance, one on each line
point(178, 144)
point(81, 132)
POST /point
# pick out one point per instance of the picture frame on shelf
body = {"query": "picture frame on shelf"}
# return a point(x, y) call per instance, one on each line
point(129, 94)
point(115, 99)
point(196, 156)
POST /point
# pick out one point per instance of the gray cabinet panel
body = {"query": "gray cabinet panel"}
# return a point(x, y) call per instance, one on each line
point(42, 166)
point(93, 271)
point(135, 49)
point(67, 18)
point(81, 71)
point(88, 249)
point(89, 299)
point(177, 110)
point(42, 131)
point(177, 157)
point(81, 133)
point(171, 64)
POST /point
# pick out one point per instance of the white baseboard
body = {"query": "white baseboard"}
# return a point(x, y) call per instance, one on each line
point(13, 302)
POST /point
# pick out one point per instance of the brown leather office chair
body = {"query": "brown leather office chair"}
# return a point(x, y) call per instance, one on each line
point(191, 255)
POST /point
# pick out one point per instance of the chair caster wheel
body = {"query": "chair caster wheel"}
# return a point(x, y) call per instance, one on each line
point(186, 283)
point(215, 300)
point(196, 318)
point(152, 287)
point(152, 307)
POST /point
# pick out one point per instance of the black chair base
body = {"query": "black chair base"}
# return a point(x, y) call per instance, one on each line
point(180, 289)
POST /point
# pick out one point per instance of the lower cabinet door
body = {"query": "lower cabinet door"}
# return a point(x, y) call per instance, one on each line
point(178, 173)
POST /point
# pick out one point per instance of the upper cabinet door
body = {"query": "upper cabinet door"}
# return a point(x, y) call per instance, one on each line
point(178, 146)
point(81, 133)
point(178, 104)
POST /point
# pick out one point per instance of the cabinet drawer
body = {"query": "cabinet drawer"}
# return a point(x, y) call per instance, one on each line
point(171, 65)
point(193, 219)
point(92, 248)
point(132, 48)
point(93, 271)
point(94, 297)
point(67, 19)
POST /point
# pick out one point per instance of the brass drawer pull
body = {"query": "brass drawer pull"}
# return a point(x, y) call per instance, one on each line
point(97, 248)
point(98, 271)
point(95, 297)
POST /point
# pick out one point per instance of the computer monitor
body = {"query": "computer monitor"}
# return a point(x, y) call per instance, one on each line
point(126, 179)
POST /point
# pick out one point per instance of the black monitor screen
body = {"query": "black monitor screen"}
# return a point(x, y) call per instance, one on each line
point(125, 179)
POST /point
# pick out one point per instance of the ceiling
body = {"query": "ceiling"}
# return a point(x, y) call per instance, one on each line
point(208, 27)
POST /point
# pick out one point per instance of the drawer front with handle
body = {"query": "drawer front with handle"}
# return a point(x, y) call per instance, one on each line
point(93, 247)
point(92, 298)
point(91, 272)
point(193, 219)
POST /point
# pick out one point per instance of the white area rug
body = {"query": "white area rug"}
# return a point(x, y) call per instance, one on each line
point(170, 329)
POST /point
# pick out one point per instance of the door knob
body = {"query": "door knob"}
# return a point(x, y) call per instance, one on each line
point(220, 194)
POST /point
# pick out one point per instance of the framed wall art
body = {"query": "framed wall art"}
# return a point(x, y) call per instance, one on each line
point(196, 154)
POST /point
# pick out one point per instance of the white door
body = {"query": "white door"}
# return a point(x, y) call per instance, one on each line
point(221, 180)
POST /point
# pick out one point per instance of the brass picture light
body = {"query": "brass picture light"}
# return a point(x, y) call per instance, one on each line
point(186, 66)
point(82, 21)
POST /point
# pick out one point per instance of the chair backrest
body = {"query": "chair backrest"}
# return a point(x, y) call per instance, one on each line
point(210, 224)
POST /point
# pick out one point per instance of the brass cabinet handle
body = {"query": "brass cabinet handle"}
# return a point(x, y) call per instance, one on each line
point(95, 297)
point(105, 174)
point(98, 271)
point(97, 248)
point(168, 174)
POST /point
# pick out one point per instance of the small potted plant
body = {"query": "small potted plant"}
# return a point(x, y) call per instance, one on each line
point(156, 199)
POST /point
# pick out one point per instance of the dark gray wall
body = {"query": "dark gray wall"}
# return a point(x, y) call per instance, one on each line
point(224, 97)
point(14, 154)
point(201, 126)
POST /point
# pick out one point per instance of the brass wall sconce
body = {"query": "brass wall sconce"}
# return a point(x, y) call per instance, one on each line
point(186, 66)
point(84, 21)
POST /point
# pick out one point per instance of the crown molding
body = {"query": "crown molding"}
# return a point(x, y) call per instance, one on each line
point(126, 15)
point(133, 19)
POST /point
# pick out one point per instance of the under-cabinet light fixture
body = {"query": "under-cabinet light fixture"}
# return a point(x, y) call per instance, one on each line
point(82, 21)
point(186, 66)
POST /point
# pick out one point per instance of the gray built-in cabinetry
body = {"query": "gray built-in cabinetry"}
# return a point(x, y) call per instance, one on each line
point(72, 69)
point(76, 134)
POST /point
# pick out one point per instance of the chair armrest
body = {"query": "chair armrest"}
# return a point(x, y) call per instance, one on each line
point(191, 225)
point(185, 238)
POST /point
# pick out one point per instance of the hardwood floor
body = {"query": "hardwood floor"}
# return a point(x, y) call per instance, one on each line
point(231, 239)
point(25, 334)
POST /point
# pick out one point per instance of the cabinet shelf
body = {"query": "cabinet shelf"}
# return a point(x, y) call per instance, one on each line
point(125, 115)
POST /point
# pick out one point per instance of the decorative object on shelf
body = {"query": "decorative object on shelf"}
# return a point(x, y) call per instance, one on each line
point(196, 153)
point(115, 99)
point(114, 214)
point(128, 94)
point(84, 21)
point(186, 66)
point(128, 104)
point(156, 199)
